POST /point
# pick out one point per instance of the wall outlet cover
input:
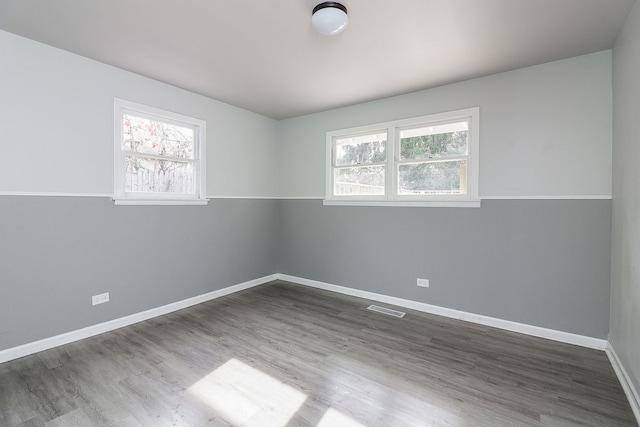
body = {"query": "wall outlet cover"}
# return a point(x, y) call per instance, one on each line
point(424, 283)
point(100, 299)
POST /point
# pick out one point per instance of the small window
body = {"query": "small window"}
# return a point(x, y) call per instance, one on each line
point(429, 160)
point(159, 156)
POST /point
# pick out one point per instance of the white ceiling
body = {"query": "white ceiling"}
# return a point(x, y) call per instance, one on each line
point(263, 55)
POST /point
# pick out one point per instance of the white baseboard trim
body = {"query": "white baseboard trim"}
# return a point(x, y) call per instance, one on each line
point(66, 338)
point(58, 340)
point(536, 331)
point(625, 380)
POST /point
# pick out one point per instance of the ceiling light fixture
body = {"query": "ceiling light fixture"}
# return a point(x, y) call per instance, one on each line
point(329, 18)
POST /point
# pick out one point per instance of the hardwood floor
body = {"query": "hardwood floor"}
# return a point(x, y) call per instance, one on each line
point(286, 355)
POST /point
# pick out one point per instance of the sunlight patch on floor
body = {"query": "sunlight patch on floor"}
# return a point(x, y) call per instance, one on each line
point(333, 418)
point(247, 397)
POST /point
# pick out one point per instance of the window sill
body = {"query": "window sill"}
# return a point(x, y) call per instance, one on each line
point(155, 202)
point(406, 203)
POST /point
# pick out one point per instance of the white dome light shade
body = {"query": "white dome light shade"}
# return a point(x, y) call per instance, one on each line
point(329, 18)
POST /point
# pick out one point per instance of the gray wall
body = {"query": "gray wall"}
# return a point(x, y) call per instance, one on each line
point(532, 262)
point(539, 262)
point(543, 263)
point(625, 278)
point(545, 134)
point(56, 252)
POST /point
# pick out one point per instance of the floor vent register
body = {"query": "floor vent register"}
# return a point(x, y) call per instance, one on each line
point(387, 311)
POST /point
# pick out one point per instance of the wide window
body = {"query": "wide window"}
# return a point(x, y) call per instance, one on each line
point(423, 161)
point(159, 156)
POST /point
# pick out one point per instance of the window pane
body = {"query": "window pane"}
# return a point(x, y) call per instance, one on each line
point(159, 176)
point(433, 178)
point(434, 141)
point(360, 150)
point(155, 137)
point(361, 181)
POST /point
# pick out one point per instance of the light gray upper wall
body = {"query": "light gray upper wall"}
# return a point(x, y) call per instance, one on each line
point(544, 130)
point(625, 277)
point(56, 116)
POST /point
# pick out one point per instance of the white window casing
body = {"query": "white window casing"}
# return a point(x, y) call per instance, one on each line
point(430, 160)
point(159, 156)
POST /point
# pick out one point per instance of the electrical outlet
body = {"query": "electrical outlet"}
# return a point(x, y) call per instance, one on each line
point(423, 283)
point(100, 299)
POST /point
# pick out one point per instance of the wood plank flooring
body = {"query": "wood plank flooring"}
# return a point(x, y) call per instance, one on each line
point(286, 355)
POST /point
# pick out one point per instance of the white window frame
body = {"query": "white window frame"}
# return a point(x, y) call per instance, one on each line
point(120, 196)
point(391, 196)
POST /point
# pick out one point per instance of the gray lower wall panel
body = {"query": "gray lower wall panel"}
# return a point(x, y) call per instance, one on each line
point(539, 262)
point(56, 252)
